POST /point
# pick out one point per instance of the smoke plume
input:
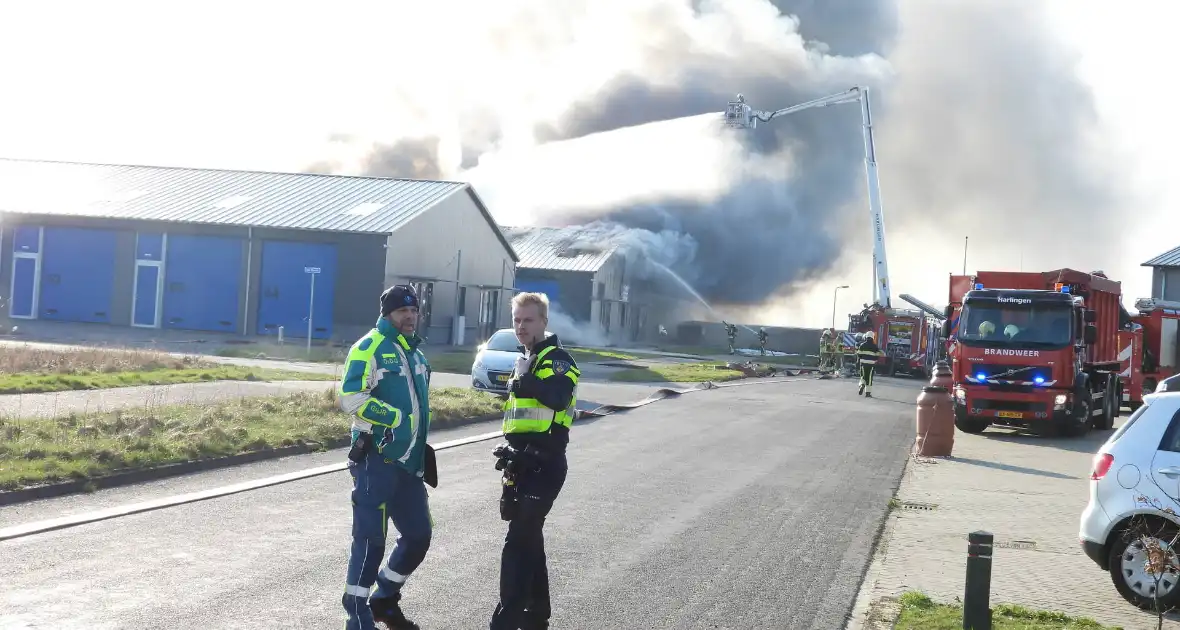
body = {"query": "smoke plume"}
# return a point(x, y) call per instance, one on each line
point(981, 129)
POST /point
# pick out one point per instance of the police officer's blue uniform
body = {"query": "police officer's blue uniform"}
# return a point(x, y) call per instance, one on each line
point(385, 389)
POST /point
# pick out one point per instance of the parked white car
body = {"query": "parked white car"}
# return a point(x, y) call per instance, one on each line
point(494, 360)
point(1134, 504)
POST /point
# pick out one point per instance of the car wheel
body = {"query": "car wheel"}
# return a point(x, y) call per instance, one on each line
point(1130, 566)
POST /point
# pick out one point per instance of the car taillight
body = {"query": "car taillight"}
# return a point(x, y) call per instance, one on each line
point(1102, 464)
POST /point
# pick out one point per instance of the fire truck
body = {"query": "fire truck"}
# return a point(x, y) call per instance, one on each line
point(904, 336)
point(1149, 349)
point(908, 338)
point(1036, 350)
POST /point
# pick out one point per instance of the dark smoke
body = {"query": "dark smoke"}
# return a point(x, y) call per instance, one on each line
point(980, 130)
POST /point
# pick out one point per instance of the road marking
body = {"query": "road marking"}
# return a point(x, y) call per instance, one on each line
point(73, 520)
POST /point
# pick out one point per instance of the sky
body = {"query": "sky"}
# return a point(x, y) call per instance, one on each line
point(231, 85)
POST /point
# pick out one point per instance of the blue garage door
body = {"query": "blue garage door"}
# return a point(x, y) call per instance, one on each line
point(201, 281)
point(548, 287)
point(77, 274)
point(285, 288)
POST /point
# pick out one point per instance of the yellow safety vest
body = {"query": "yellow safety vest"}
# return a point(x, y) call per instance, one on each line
point(528, 415)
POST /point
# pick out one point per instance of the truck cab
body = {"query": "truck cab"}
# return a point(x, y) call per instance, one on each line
point(1020, 358)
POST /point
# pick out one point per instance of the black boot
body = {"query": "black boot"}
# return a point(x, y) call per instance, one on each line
point(387, 611)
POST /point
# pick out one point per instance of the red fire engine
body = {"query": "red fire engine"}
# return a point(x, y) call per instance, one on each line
point(1036, 350)
point(1150, 350)
point(908, 338)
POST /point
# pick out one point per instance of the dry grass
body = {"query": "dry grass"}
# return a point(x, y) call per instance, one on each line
point(79, 446)
point(22, 359)
point(33, 369)
point(677, 373)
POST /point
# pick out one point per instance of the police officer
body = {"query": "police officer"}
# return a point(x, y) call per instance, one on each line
point(762, 340)
point(386, 390)
point(542, 394)
point(867, 353)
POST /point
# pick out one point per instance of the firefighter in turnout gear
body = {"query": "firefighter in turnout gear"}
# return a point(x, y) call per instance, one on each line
point(541, 406)
point(731, 333)
point(867, 353)
point(827, 354)
point(386, 390)
point(762, 340)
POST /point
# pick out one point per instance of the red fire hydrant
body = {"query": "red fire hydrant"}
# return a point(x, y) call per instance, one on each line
point(936, 415)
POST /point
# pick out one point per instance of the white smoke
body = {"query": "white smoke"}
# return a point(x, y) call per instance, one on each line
point(573, 332)
point(978, 132)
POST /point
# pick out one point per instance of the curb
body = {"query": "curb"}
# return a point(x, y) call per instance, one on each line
point(156, 473)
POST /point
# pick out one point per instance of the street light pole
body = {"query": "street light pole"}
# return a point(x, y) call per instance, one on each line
point(739, 115)
point(834, 292)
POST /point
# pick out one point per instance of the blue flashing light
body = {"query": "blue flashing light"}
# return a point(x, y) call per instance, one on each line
point(1065, 289)
point(1040, 380)
point(978, 286)
point(981, 376)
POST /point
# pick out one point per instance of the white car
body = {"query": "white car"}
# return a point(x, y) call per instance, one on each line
point(494, 360)
point(1134, 507)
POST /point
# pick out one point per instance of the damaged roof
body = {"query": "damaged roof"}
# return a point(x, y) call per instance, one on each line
point(558, 249)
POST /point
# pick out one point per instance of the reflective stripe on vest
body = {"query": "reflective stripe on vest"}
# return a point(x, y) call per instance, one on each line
point(528, 415)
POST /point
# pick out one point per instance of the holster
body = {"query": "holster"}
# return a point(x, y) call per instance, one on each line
point(360, 448)
point(509, 503)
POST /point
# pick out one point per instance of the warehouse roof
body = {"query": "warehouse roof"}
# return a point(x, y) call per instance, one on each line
point(1166, 259)
point(300, 201)
point(560, 249)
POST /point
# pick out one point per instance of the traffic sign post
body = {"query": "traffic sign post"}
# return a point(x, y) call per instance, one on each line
point(313, 272)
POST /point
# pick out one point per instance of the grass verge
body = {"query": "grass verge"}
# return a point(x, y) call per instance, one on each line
point(30, 370)
point(919, 612)
point(677, 373)
point(81, 446)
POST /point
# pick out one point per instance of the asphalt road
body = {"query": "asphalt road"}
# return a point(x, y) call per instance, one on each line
point(745, 507)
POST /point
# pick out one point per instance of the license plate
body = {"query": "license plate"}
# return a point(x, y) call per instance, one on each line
point(1009, 414)
point(503, 378)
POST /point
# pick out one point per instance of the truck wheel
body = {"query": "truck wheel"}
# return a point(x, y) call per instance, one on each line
point(1078, 424)
point(972, 425)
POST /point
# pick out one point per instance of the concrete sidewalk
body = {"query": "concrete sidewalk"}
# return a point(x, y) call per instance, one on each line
point(1027, 491)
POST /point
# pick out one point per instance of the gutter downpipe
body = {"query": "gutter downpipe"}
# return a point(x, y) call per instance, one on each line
point(249, 270)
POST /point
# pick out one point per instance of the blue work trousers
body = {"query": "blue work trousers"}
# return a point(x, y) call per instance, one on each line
point(383, 492)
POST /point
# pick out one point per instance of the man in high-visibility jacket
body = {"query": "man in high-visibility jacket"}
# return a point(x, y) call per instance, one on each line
point(867, 353)
point(386, 390)
point(542, 395)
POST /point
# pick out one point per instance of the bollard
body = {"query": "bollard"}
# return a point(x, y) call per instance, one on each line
point(936, 415)
point(280, 335)
point(977, 612)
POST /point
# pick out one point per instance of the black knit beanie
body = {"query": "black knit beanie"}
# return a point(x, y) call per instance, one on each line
point(396, 297)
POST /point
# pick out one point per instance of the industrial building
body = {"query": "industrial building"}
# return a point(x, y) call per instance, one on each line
point(1165, 275)
point(246, 253)
point(586, 282)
